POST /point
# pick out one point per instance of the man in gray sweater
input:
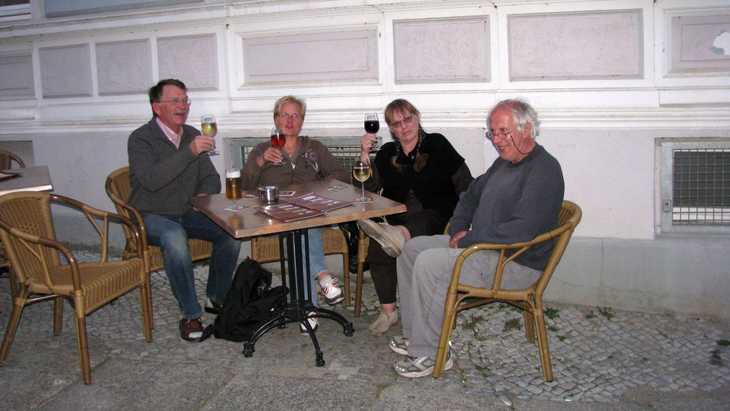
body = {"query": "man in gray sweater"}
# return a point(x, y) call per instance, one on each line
point(169, 165)
point(518, 198)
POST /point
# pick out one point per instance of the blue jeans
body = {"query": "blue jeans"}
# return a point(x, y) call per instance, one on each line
point(317, 263)
point(171, 235)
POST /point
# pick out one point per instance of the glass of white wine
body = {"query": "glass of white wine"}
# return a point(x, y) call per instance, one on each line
point(209, 127)
point(361, 172)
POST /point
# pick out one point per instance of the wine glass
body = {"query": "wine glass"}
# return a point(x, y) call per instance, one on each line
point(278, 140)
point(361, 172)
point(372, 125)
point(209, 127)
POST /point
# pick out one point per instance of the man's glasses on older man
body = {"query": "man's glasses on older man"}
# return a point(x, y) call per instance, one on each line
point(491, 135)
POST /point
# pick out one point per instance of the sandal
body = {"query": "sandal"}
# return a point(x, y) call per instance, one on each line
point(191, 330)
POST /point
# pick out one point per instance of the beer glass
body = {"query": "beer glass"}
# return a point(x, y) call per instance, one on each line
point(233, 184)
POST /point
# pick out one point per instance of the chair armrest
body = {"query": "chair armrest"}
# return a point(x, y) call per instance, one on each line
point(516, 248)
point(36, 244)
point(93, 214)
point(133, 213)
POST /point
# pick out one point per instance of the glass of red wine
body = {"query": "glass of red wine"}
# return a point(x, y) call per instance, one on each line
point(372, 125)
point(278, 139)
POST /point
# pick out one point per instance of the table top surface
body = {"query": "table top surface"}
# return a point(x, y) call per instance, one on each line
point(35, 178)
point(250, 222)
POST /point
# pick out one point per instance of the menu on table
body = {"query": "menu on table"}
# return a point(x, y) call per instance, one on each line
point(318, 202)
point(302, 207)
point(288, 212)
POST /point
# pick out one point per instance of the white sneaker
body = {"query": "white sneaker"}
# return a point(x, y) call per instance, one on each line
point(413, 367)
point(313, 323)
point(330, 290)
point(399, 345)
point(389, 237)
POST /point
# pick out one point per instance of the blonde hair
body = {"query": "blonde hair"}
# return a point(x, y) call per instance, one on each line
point(290, 99)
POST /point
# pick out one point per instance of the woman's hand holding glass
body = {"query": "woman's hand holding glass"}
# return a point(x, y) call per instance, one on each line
point(368, 144)
point(273, 155)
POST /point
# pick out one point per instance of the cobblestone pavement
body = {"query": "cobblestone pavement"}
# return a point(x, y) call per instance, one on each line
point(598, 354)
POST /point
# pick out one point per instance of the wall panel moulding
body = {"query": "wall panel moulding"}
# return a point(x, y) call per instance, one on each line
point(576, 46)
point(700, 45)
point(442, 50)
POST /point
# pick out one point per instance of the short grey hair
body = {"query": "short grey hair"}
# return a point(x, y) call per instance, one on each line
point(522, 113)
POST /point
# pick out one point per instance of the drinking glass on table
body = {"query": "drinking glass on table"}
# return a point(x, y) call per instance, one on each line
point(361, 172)
point(372, 125)
point(209, 128)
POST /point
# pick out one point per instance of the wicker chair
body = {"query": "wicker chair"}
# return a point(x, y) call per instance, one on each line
point(118, 188)
point(265, 249)
point(461, 296)
point(7, 159)
point(45, 269)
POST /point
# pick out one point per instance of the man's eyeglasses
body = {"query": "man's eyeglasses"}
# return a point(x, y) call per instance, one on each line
point(491, 135)
point(399, 124)
point(176, 101)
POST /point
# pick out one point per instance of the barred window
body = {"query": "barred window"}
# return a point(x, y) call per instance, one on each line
point(14, 9)
point(696, 186)
point(345, 149)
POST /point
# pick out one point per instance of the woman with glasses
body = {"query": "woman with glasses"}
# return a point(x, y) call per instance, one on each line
point(299, 160)
point(421, 170)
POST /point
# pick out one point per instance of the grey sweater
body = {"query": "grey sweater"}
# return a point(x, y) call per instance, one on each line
point(513, 203)
point(164, 178)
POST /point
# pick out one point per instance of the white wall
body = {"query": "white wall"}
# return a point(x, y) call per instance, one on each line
point(608, 78)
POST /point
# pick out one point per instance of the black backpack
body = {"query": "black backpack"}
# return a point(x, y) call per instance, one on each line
point(249, 302)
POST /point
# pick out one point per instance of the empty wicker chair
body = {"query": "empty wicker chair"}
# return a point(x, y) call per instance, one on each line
point(461, 296)
point(46, 269)
point(8, 159)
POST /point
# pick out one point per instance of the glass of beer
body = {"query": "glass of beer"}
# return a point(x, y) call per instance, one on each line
point(209, 127)
point(361, 172)
point(233, 184)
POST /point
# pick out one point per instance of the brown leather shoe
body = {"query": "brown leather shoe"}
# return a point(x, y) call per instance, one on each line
point(191, 330)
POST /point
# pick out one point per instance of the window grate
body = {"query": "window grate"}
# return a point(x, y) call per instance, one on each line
point(346, 149)
point(701, 186)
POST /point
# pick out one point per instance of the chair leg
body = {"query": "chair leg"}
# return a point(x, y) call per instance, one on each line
point(529, 325)
point(362, 250)
point(446, 328)
point(148, 301)
point(358, 288)
point(82, 343)
point(542, 344)
point(346, 278)
point(144, 303)
point(17, 311)
point(57, 315)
